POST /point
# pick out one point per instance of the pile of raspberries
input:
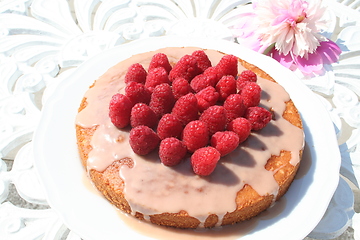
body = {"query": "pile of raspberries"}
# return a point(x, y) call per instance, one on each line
point(191, 108)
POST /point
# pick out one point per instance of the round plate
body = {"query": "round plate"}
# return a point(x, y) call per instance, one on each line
point(92, 217)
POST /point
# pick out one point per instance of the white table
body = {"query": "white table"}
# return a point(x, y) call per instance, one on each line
point(43, 41)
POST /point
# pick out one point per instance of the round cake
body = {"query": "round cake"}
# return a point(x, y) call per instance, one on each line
point(246, 179)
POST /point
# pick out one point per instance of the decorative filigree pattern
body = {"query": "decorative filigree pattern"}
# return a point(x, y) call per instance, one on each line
point(43, 41)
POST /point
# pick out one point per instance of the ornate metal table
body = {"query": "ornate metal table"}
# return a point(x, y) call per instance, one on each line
point(42, 42)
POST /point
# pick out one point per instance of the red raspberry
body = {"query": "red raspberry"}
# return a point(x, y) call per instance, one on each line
point(143, 140)
point(240, 84)
point(203, 60)
point(206, 98)
point(226, 86)
point(245, 77)
point(215, 118)
point(186, 109)
point(228, 65)
point(136, 73)
point(120, 110)
point(171, 151)
point(204, 160)
point(214, 73)
point(225, 142)
point(258, 117)
point(234, 107)
point(137, 93)
point(142, 114)
point(202, 81)
point(251, 94)
point(169, 126)
point(160, 60)
point(241, 126)
point(162, 100)
point(156, 77)
point(180, 87)
point(195, 135)
point(186, 68)
point(248, 75)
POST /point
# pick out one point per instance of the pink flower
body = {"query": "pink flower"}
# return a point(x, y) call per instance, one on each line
point(290, 32)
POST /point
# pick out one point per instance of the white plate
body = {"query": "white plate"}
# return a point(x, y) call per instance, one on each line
point(92, 217)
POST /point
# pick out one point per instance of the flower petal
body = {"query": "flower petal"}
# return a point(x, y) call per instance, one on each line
point(329, 51)
point(245, 26)
point(285, 60)
point(312, 64)
point(251, 42)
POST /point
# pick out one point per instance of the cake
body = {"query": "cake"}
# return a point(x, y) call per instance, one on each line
point(244, 182)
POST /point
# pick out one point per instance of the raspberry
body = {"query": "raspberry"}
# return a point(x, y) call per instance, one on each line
point(258, 117)
point(169, 126)
point(215, 118)
point(186, 109)
point(226, 86)
point(234, 107)
point(206, 98)
point(195, 135)
point(202, 81)
point(156, 77)
point(245, 77)
point(241, 126)
point(240, 84)
point(137, 93)
point(120, 110)
point(142, 114)
point(203, 60)
point(225, 142)
point(228, 65)
point(180, 87)
point(214, 73)
point(186, 68)
point(136, 73)
point(160, 60)
point(248, 75)
point(162, 100)
point(171, 151)
point(204, 160)
point(251, 94)
point(143, 140)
